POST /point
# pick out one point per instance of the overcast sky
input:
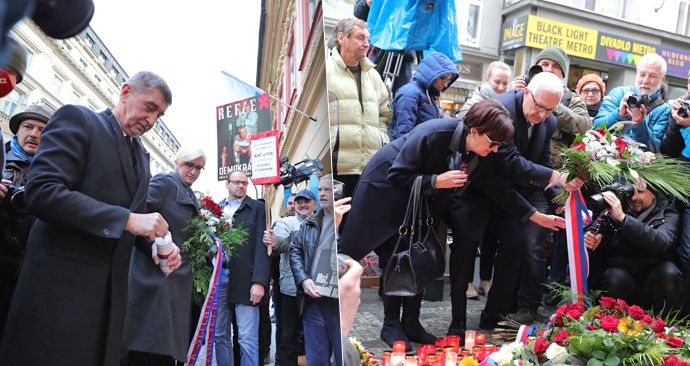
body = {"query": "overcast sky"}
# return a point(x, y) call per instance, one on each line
point(188, 44)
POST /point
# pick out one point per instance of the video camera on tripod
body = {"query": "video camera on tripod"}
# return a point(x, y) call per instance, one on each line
point(301, 171)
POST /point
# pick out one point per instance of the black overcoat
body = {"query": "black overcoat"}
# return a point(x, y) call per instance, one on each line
point(158, 312)
point(250, 264)
point(380, 198)
point(71, 298)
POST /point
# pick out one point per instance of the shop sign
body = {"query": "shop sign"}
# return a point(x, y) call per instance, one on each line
point(678, 61)
point(575, 40)
point(621, 50)
point(470, 70)
point(514, 33)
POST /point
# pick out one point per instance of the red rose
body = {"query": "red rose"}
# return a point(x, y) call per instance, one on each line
point(636, 312)
point(540, 346)
point(609, 324)
point(591, 327)
point(674, 342)
point(558, 320)
point(647, 320)
point(621, 305)
point(561, 338)
point(579, 307)
point(661, 336)
point(671, 361)
point(606, 302)
point(601, 131)
point(658, 325)
point(573, 314)
point(620, 144)
point(579, 146)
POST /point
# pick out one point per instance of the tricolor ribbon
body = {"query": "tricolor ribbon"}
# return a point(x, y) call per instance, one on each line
point(524, 332)
point(488, 362)
point(577, 253)
point(206, 327)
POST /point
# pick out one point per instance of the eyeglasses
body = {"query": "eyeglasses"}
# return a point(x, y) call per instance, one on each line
point(192, 166)
point(492, 143)
point(593, 91)
point(240, 182)
point(447, 78)
point(540, 108)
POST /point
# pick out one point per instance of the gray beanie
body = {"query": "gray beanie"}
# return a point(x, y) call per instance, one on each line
point(39, 112)
point(17, 58)
point(557, 54)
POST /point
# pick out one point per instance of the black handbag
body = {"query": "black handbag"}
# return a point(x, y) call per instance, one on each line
point(418, 257)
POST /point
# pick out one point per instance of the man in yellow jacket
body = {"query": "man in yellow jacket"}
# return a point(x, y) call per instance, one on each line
point(359, 106)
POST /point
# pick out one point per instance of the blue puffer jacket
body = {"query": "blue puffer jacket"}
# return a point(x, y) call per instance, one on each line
point(415, 102)
point(650, 133)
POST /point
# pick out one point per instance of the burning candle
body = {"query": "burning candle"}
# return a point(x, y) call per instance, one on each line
point(480, 338)
point(397, 358)
point(440, 342)
point(451, 358)
point(453, 340)
point(469, 339)
point(399, 346)
point(410, 361)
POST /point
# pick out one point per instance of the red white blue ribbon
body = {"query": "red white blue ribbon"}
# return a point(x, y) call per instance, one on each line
point(575, 211)
point(206, 327)
point(488, 362)
point(524, 332)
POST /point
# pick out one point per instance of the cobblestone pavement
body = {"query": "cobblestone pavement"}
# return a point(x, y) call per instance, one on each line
point(435, 317)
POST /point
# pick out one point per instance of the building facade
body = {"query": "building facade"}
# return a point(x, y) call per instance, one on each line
point(79, 70)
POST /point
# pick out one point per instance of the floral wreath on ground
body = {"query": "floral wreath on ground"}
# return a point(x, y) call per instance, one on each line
point(201, 247)
point(608, 334)
point(600, 156)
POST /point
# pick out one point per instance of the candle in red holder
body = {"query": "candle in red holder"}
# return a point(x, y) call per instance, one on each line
point(386, 359)
point(477, 350)
point(399, 346)
point(440, 342)
point(453, 340)
point(480, 338)
point(464, 353)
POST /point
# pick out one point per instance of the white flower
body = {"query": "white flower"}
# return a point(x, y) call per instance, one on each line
point(514, 347)
point(556, 354)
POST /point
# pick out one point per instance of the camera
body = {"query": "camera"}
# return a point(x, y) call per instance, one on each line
point(624, 192)
point(534, 70)
point(636, 100)
point(684, 107)
point(292, 174)
point(14, 200)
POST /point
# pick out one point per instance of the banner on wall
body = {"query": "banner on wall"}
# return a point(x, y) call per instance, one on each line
point(265, 162)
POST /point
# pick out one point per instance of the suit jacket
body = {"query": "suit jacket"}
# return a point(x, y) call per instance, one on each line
point(250, 264)
point(71, 298)
point(158, 315)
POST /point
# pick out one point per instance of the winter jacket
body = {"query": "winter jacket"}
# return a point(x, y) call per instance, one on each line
point(415, 102)
point(358, 130)
point(303, 245)
point(285, 229)
point(650, 133)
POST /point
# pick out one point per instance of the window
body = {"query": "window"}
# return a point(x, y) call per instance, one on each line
point(76, 97)
point(615, 8)
point(585, 4)
point(11, 103)
point(683, 25)
point(56, 86)
point(468, 15)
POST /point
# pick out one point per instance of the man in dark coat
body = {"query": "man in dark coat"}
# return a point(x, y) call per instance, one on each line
point(525, 162)
point(244, 278)
point(15, 224)
point(87, 189)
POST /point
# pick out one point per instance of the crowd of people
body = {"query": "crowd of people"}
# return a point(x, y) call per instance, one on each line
point(498, 164)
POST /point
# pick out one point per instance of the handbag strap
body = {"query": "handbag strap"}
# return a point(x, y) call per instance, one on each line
point(408, 224)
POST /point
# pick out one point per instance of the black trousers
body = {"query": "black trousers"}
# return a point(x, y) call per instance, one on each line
point(291, 323)
point(650, 282)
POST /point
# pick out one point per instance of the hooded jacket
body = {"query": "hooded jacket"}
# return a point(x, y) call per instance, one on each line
point(415, 102)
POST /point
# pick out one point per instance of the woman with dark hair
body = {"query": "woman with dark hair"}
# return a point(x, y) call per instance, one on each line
point(435, 150)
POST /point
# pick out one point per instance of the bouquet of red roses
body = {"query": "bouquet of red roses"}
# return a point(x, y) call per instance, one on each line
point(208, 224)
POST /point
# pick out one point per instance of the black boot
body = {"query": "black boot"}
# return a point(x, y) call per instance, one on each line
point(392, 330)
point(457, 328)
point(410, 321)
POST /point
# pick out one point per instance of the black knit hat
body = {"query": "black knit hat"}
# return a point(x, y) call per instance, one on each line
point(39, 112)
point(17, 58)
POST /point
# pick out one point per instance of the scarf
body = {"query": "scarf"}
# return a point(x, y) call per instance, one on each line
point(592, 110)
point(19, 152)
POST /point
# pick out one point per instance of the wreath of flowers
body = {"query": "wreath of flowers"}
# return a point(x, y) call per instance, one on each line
point(600, 156)
point(201, 247)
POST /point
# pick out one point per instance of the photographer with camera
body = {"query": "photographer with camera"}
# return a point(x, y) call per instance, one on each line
point(635, 237)
point(641, 104)
point(15, 224)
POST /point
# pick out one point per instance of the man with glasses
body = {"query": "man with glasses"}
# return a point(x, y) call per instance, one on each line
point(526, 162)
point(645, 123)
point(250, 269)
point(417, 101)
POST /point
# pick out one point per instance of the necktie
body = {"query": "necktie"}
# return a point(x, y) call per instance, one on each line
point(132, 152)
